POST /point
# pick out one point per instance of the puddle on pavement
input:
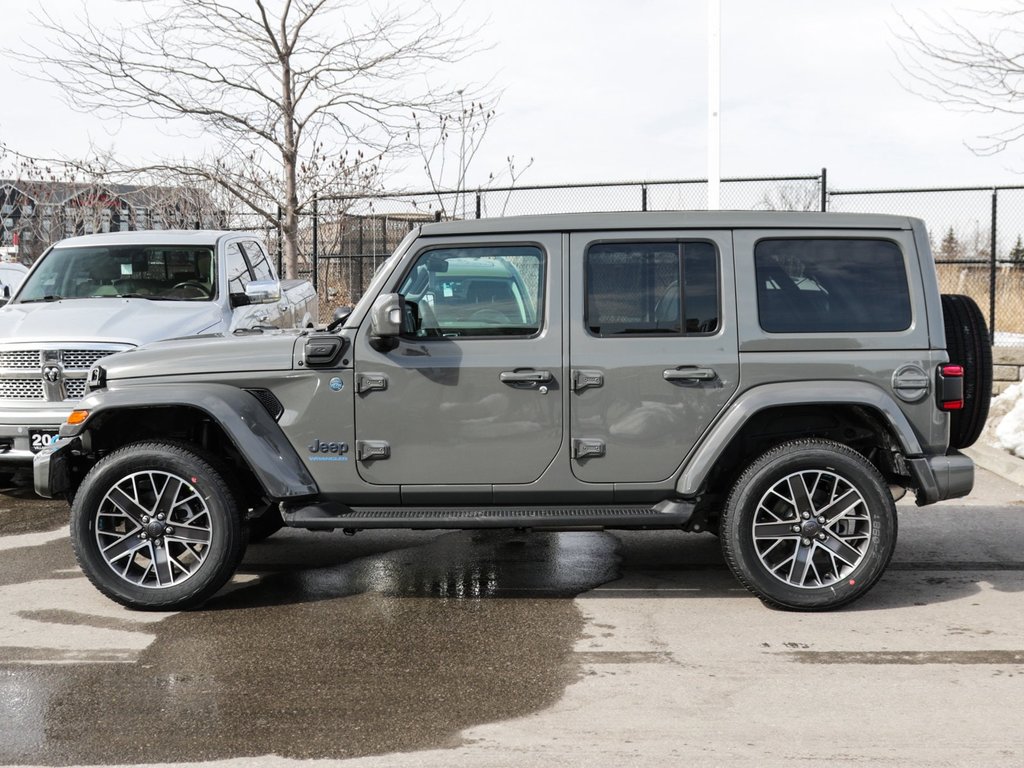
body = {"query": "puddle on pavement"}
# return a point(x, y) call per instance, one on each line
point(21, 511)
point(395, 651)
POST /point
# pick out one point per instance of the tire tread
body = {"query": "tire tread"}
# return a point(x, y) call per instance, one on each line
point(967, 343)
point(235, 544)
point(730, 545)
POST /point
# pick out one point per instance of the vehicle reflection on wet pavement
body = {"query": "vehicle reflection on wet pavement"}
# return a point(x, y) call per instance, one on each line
point(382, 643)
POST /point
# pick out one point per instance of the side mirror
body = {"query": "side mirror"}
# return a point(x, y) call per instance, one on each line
point(386, 319)
point(263, 291)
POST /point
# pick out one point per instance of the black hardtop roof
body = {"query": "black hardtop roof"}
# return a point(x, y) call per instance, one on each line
point(652, 220)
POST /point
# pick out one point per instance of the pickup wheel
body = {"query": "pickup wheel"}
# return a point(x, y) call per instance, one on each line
point(156, 527)
point(809, 526)
point(967, 343)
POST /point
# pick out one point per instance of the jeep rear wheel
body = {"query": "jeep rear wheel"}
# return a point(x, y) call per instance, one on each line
point(810, 525)
point(967, 343)
point(156, 527)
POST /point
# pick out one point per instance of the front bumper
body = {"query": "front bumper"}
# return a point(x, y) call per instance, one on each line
point(51, 468)
point(941, 477)
point(17, 424)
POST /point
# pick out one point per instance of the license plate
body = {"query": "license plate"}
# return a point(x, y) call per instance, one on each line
point(41, 438)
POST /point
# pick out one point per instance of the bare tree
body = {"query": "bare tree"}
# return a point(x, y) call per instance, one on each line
point(304, 96)
point(448, 143)
point(790, 197)
point(972, 63)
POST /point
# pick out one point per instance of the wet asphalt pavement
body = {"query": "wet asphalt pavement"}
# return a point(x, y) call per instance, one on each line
point(336, 647)
point(495, 648)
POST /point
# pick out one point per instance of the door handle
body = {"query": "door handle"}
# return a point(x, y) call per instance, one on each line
point(528, 376)
point(690, 374)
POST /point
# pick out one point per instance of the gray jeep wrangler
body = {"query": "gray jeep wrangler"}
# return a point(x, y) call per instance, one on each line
point(775, 379)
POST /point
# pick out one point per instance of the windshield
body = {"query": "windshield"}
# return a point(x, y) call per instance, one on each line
point(158, 272)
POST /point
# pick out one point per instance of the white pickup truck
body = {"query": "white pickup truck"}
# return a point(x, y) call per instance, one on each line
point(89, 297)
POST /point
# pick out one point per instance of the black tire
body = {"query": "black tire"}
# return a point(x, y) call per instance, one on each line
point(819, 566)
point(967, 343)
point(148, 562)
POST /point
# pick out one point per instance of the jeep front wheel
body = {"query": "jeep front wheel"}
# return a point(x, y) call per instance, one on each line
point(156, 527)
point(810, 525)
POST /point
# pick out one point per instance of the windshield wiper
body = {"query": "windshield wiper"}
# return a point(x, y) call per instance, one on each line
point(50, 297)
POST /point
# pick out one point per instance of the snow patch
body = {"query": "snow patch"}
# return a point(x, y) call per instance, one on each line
point(1007, 414)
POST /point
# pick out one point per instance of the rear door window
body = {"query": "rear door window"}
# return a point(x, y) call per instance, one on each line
point(258, 259)
point(659, 288)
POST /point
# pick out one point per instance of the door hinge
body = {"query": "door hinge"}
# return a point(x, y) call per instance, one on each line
point(587, 448)
point(367, 382)
point(372, 450)
point(581, 379)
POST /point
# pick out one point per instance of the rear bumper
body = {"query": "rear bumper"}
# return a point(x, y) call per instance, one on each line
point(51, 468)
point(941, 477)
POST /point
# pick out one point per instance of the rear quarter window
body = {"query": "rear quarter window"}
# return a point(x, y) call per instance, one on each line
point(818, 285)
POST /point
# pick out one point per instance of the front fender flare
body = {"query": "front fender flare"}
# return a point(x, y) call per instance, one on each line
point(768, 396)
point(258, 438)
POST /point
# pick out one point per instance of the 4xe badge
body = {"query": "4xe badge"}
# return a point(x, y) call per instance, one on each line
point(327, 451)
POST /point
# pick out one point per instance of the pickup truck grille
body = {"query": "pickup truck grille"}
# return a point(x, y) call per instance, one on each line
point(83, 359)
point(21, 389)
point(74, 389)
point(20, 359)
point(47, 375)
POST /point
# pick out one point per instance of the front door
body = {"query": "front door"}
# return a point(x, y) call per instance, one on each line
point(470, 395)
point(653, 349)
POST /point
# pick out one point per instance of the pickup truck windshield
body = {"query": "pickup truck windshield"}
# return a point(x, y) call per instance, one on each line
point(158, 272)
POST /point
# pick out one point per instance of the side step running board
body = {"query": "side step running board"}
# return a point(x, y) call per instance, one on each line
point(330, 515)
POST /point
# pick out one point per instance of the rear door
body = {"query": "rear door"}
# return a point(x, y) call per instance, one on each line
point(653, 349)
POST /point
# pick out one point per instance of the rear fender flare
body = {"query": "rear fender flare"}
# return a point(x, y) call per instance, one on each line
point(716, 440)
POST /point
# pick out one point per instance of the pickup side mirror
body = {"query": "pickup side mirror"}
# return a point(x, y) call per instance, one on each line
point(386, 320)
point(263, 291)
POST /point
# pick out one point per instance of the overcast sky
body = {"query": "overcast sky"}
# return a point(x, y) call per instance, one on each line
point(616, 90)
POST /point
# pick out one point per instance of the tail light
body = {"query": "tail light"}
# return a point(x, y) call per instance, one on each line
point(949, 388)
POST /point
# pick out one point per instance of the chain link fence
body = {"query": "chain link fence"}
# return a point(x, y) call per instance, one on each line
point(343, 241)
point(977, 233)
point(976, 238)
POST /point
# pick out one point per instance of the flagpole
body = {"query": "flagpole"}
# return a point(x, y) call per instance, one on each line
point(714, 104)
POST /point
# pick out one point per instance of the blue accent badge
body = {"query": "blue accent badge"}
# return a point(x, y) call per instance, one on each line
point(336, 384)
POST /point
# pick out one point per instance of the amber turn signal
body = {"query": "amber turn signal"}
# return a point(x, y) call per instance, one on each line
point(77, 417)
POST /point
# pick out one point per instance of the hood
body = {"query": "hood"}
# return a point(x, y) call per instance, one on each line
point(109, 320)
point(203, 355)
